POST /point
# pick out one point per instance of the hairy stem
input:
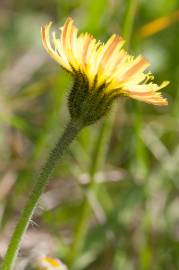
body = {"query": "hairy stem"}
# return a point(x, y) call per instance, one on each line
point(69, 134)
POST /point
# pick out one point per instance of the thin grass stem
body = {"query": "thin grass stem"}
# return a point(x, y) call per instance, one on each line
point(97, 161)
point(99, 154)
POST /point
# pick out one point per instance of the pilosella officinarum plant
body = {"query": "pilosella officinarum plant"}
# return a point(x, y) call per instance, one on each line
point(101, 73)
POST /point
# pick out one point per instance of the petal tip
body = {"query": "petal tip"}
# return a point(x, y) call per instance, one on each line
point(165, 83)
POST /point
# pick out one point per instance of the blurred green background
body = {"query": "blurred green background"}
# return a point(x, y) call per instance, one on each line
point(113, 201)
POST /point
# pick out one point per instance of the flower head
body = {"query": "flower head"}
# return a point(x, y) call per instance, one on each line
point(104, 71)
point(48, 263)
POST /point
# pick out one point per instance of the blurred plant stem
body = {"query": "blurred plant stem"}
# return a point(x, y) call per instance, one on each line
point(69, 134)
point(141, 167)
point(97, 161)
point(129, 21)
point(141, 161)
point(140, 164)
point(99, 152)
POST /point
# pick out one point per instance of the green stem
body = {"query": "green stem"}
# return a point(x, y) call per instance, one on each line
point(129, 21)
point(69, 134)
point(140, 164)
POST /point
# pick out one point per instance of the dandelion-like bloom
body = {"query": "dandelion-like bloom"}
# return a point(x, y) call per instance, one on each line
point(48, 263)
point(101, 70)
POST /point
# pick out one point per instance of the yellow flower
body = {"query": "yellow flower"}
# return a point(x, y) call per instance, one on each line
point(48, 263)
point(106, 65)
